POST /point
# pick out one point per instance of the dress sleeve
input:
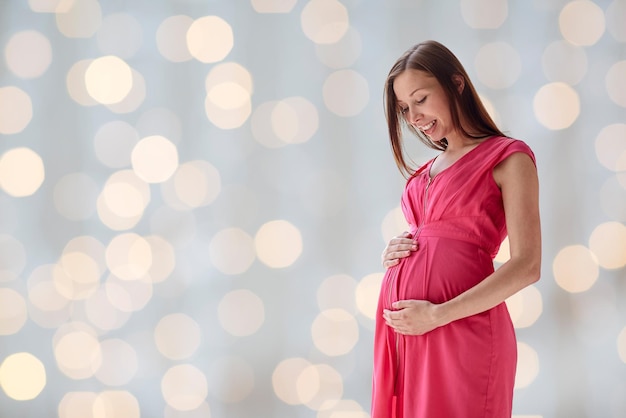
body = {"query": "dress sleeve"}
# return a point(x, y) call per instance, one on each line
point(514, 146)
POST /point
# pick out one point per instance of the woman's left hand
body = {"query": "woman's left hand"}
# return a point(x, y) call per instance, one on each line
point(412, 317)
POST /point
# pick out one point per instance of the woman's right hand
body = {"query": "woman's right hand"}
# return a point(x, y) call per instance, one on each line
point(398, 248)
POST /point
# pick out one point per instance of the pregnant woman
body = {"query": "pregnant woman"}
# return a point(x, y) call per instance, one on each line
point(444, 343)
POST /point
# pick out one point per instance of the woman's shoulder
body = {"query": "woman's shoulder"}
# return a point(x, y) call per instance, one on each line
point(504, 146)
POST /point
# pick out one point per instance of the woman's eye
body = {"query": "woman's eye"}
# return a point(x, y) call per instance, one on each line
point(403, 110)
point(421, 101)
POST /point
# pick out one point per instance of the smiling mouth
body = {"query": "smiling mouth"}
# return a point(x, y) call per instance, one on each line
point(427, 127)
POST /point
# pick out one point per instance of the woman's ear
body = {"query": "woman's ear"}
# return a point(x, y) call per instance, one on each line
point(459, 82)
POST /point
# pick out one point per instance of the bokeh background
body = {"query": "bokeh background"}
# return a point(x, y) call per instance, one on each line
point(194, 196)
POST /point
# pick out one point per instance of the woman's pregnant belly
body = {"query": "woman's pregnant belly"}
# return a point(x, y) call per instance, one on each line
point(441, 269)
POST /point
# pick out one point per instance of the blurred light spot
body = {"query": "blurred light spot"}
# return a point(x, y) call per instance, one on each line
point(88, 245)
point(231, 379)
point(127, 295)
point(575, 268)
point(194, 184)
point(367, 292)
point(527, 365)
point(346, 92)
point(223, 81)
point(319, 387)
point(160, 121)
point(498, 65)
point(616, 83)
point(129, 256)
point(28, 54)
point(77, 405)
point(278, 243)
point(210, 39)
point(343, 53)
point(102, 313)
point(484, 14)
point(22, 376)
point(80, 20)
point(108, 79)
point(337, 292)
point(323, 193)
point(241, 312)
point(615, 20)
point(114, 142)
point(612, 198)
point(16, 110)
point(231, 251)
point(394, 223)
point(225, 118)
point(273, 6)
point(12, 258)
point(75, 81)
point(163, 258)
point(177, 336)
point(154, 159)
point(284, 379)
point(294, 120)
point(611, 147)
point(504, 253)
point(119, 364)
point(184, 387)
point(50, 6)
point(120, 35)
point(123, 200)
point(113, 404)
point(13, 314)
point(77, 275)
point(556, 106)
point(75, 196)
point(134, 98)
point(608, 243)
point(21, 172)
point(78, 354)
point(564, 62)
point(335, 332)
point(228, 95)
point(324, 21)
point(171, 38)
point(621, 345)
point(525, 307)
point(229, 72)
point(581, 22)
point(345, 408)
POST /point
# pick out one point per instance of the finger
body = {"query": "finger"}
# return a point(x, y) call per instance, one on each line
point(391, 263)
point(401, 241)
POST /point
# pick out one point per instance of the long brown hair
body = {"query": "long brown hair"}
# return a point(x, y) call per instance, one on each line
point(438, 61)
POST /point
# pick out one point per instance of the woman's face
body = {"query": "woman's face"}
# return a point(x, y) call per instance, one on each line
point(424, 104)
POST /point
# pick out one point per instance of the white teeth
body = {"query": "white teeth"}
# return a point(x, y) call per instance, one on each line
point(427, 127)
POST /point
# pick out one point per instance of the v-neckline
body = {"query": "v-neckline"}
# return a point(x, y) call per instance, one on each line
point(431, 177)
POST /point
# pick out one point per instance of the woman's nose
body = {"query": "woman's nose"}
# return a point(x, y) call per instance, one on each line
point(413, 116)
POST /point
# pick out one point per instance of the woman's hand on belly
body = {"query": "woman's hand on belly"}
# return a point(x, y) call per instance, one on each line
point(398, 248)
point(413, 317)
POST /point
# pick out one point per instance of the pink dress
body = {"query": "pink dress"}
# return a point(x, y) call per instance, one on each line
point(465, 369)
